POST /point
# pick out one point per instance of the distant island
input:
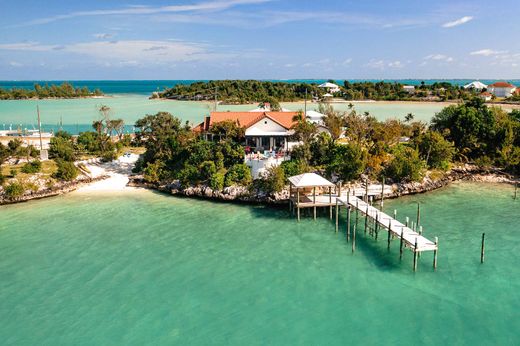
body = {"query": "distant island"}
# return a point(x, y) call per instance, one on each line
point(61, 91)
point(250, 91)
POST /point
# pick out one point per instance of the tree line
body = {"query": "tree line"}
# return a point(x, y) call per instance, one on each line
point(356, 145)
point(248, 91)
point(64, 90)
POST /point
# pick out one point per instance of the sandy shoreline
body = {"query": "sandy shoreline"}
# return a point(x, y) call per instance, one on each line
point(117, 172)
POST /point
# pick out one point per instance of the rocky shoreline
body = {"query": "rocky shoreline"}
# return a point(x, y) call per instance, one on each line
point(243, 194)
point(56, 190)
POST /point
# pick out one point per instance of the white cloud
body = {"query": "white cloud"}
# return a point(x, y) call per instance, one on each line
point(347, 62)
point(15, 64)
point(213, 5)
point(395, 64)
point(383, 64)
point(289, 65)
point(103, 36)
point(131, 52)
point(439, 57)
point(488, 52)
point(458, 22)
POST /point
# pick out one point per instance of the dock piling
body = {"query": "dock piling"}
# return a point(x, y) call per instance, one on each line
point(482, 248)
point(435, 253)
point(418, 214)
point(337, 215)
point(401, 245)
point(348, 223)
point(354, 239)
point(389, 234)
point(415, 256)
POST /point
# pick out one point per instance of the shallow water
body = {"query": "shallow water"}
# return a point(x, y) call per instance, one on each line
point(144, 268)
point(78, 114)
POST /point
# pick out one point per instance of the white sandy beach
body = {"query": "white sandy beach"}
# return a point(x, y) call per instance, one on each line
point(117, 170)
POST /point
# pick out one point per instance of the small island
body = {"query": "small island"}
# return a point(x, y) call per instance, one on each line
point(251, 91)
point(53, 91)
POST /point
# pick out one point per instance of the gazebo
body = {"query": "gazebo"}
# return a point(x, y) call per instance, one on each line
point(302, 192)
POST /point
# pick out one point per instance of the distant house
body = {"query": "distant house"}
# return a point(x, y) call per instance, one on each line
point(477, 85)
point(486, 96)
point(409, 88)
point(330, 87)
point(501, 89)
point(264, 131)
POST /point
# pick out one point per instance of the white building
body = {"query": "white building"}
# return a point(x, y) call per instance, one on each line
point(409, 88)
point(501, 89)
point(477, 85)
point(330, 87)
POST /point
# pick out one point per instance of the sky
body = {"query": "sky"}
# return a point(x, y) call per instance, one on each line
point(259, 39)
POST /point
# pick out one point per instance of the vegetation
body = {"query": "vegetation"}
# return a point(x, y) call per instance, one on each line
point(247, 91)
point(66, 171)
point(64, 90)
point(14, 189)
point(32, 167)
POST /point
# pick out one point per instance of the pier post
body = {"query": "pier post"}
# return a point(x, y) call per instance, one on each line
point(401, 245)
point(348, 223)
point(314, 201)
point(298, 203)
point(357, 211)
point(482, 248)
point(366, 190)
point(420, 230)
point(415, 256)
point(330, 202)
point(435, 253)
point(389, 233)
point(339, 189)
point(382, 193)
point(337, 212)
point(418, 214)
point(377, 225)
point(366, 220)
point(407, 221)
point(354, 239)
point(516, 188)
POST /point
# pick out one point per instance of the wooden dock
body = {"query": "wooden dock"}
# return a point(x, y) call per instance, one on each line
point(408, 236)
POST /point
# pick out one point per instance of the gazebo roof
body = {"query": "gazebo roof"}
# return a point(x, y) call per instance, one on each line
point(309, 180)
point(328, 85)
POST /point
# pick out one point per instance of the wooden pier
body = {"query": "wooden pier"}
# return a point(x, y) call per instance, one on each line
point(409, 236)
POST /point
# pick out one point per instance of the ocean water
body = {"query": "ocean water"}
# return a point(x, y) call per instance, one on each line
point(77, 114)
point(140, 267)
point(149, 86)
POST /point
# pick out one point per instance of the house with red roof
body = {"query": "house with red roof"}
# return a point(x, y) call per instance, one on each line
point(264, 131)
point(501, 89)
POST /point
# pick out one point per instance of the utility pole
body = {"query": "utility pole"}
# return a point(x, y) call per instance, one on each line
point(39, 127)
point(305, 102)
point(216, 93)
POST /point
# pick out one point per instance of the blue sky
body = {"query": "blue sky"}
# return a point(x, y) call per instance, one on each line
point(279, 39)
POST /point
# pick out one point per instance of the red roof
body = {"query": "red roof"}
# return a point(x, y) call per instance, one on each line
point(486, 94)
point(246, 119)
point(501, 85)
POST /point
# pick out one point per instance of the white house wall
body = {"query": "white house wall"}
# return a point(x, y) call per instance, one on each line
point(266, 127)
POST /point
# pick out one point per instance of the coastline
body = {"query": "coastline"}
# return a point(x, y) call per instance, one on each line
point(241, 194)
point(354, 102)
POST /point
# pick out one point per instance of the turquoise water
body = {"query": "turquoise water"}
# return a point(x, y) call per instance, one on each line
point(144, 268)
point(149, 86)
point(79, 113)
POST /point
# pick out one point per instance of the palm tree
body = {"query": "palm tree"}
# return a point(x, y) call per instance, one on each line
point(304, 130)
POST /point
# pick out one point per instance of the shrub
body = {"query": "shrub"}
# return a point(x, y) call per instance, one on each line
point(2, 177)
point(238, 174)
point(207, 169)
point(152, 172)
point(13, 172)
point(32, 167)
point(347, 161)
point(293, 167)
point(61, 148)
point(66, 170)
point(217, 180)
point(406, 165)
point(14, 189)
point(273, 180)
point(108, 156)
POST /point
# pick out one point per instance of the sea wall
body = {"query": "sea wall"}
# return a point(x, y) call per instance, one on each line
point(247, 195)
point(57, 189)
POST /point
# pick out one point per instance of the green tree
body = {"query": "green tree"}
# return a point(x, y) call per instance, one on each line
point(436, 151)
point(406, 165)
point(66, 170)
point(347, 161)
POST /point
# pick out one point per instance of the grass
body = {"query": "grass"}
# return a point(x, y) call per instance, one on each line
point(48, 168)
